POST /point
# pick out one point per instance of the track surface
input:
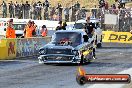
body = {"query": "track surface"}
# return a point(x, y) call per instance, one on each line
point(112, 58)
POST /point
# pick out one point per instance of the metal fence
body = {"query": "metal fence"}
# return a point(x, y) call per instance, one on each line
point(124, 20)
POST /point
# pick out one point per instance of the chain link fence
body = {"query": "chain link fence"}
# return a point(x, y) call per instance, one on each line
point(124, 20)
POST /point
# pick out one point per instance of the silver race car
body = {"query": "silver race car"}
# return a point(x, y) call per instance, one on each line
point(67, 46)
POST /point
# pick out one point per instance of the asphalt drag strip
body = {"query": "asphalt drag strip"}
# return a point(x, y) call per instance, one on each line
point(27, 73)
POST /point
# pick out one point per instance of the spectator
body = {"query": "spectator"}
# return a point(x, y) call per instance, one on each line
point(39, 9)
point(114, 6)
point(31, 13)
point(77, 14)
point(59, 7)
point(17, 9)
point(46, 7)
point(44, 31)
point(66, 13)
point(77, 6)
point(11, 10)
point(101, 3)
point(4, 9)
point(122, 3)
point(20, 15)
point(73, 12)
point(52, 12)
point(10, 32)
point(26, 10)
point(35, 11)
point(106, 5)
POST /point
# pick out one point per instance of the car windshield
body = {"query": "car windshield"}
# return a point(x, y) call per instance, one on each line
point(19, 26)
point(79, 25)
point(67, 38)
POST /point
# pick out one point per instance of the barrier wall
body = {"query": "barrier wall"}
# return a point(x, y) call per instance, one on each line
point(117, 37)
point(12, 48)
point(30, 46)
point(7, 49)
point(23, 47)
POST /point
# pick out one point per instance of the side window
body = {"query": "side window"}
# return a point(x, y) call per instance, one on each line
point(5, 24)
point(14, 26)
point(19, 27)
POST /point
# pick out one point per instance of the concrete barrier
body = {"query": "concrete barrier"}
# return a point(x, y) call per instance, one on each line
point(30, 46)
point(22, 47)
point(7, 49)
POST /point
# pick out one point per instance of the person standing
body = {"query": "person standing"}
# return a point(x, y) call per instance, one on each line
point(59, 7)
point(17, 10)
point(28, 30)
point(11, 10)
point(35, 11)
point(39, 9)
point(90, 30)
point(66, 13)
point(52, 12)
point(46, 9)
point(10, 32)
point(44, 31)
point(26, 10)
point(4, 9)
point(77, 6)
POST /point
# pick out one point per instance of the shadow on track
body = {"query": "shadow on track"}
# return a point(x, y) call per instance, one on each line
point(9, 62)
point(67, 64)
point(101, 64)
point(115, 47)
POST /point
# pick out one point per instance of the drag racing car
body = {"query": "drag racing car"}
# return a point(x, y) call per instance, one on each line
point(98, 31)
point(67, 46)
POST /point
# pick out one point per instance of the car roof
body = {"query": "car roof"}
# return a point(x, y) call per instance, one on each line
point(81, 21)
point(76, 31)
point(92, 19)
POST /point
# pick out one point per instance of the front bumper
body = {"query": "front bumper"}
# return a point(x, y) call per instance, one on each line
point(59, 58)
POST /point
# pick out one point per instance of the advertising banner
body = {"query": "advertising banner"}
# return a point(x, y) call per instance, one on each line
point(117, 37)
point(111, 19)
point(8, 49)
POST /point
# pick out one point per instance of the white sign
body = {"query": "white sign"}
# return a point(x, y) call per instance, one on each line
point(111, 19)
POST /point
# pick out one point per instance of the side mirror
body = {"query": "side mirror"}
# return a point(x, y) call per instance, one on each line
point(4, 29)
point(85, 37)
